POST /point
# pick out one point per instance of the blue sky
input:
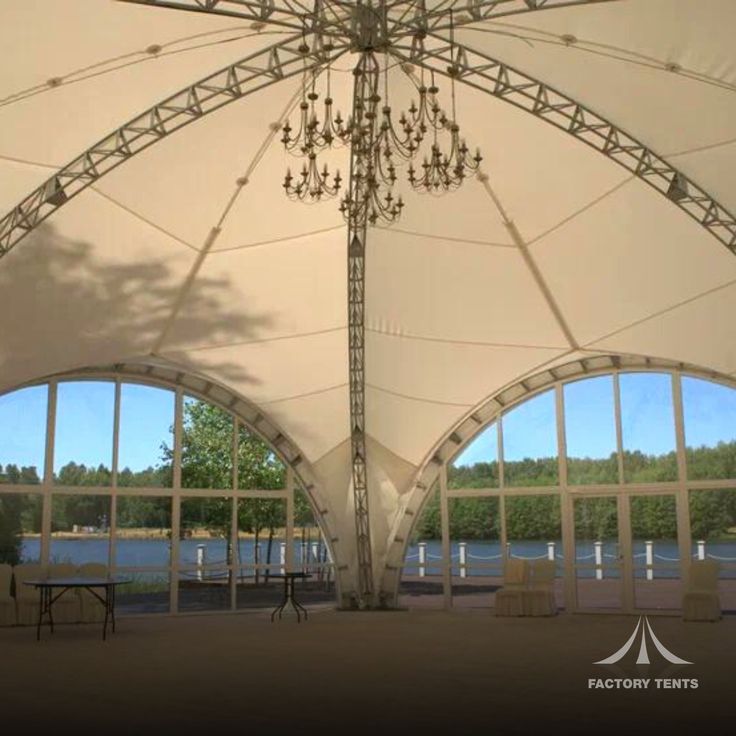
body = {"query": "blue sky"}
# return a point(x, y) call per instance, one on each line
point(84, 426)
point(85, 421)
point(590, 431)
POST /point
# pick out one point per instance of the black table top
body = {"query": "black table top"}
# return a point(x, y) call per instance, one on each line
point(77, 582)
point(291, 575)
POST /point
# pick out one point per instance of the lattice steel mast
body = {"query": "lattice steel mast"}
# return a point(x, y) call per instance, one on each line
point(365, 87)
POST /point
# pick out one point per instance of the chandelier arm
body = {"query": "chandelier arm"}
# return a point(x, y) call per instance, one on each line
point(496, 78)
point(286, 14)
point(470, 11)
point(255, 72)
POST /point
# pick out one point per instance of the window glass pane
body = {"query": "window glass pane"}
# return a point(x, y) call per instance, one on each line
point(709, 411)
point(205, 554)
point(143, 535)
point(534, 533)
point(207, 446)
point(84, 425)
point(262, 552)
point(23, 435)
point(20, 528)
point(475, 546)
point(313, 551)
point(147, 592)
point(648, 427)
point(713, 524)
point(80, 530)
point(146, 440)
point(421, 584)
point(597, 553)
point(258, 466)
point(656, 553)
point(533, 527)
point(530, 443)
point(590, 431)
point(477, 465)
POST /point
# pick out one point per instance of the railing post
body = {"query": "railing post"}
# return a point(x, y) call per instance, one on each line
point(598, 547)
point(201, 560)
point(282, 557)
point(649, 556)
point(551, 551)
point(701, 549)
point(422, 559)
point(463, 549)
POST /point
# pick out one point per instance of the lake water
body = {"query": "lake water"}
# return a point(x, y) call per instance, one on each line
point(483, 558)
point(154, 552)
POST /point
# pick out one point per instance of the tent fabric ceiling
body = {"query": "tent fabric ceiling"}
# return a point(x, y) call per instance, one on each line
point(457, 307)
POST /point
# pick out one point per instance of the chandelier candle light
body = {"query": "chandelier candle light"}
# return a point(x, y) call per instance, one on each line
point(379, 144)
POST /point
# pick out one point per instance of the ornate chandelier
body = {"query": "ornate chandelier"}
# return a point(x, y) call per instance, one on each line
point(379, 145)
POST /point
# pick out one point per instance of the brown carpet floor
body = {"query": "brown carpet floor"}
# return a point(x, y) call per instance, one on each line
point(361, 672)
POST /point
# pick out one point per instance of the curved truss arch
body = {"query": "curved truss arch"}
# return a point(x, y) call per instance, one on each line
point(236, 406)
point(498, 79)
point(335, 17)
point(273, 64)
point(464, 432)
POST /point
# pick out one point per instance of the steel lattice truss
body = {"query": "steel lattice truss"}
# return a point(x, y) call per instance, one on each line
point(413, 31)
point(500, 80)
point(365, 89)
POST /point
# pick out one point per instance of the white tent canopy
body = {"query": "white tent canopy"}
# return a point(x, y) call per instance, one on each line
point(556, 253)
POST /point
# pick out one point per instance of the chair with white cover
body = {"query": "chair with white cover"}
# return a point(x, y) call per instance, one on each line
point(67, 608)
point(27, 598)
point(509, 597)
point(7, 602)
point(539, 598)
point(700, 601)
point(92, 609)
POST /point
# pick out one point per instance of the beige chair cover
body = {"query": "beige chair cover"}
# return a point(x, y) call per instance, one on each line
point(539, 598)
point(27, 598)
point(700, 601)
point(509, 598)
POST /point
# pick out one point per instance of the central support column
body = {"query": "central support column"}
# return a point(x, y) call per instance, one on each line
point(365, 106)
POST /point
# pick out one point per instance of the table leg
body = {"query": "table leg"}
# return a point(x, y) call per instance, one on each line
point(297, 606)
point(112, 607)
point(279, 609)
point(107, 612)
point(41, 604)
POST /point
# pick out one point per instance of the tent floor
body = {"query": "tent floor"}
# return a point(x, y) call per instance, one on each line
point(358, 672)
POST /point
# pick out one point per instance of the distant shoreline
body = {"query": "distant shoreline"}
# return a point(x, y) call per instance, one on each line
point(155, 533)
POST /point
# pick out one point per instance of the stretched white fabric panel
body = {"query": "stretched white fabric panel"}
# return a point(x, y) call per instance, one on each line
point(87, 288)
point(700, 331)
point(457, 305)
point(627, 258)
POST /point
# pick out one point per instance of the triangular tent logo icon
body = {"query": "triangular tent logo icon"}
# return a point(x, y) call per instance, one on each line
point(643, 630)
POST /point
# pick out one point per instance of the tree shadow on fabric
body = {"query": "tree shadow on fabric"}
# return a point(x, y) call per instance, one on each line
point(64, 308)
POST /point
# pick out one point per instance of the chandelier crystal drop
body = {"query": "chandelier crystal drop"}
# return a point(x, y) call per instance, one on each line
point(379, 145)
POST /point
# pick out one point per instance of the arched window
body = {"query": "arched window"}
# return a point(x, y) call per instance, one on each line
point(163, 486)
point(634, 469)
